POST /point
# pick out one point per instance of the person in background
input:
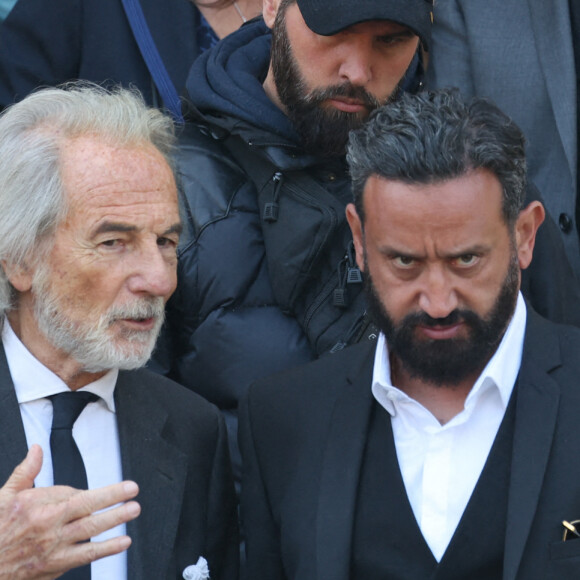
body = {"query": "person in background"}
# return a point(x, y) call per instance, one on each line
point(531, 72)
point(89, 226)
point(221, 17)
point(267, 275)
point(443, 450)
point(48, 43)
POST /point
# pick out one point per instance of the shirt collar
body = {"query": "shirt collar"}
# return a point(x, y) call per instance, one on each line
point(500, 372)
point(32, 380)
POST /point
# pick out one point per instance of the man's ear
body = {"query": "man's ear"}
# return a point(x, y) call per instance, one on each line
point(269, 11)
point(527, 224)
point(19, 275)
point(356, 228)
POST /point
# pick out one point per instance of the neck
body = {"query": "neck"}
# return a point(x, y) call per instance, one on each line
point(443, 401)
point(224, 19)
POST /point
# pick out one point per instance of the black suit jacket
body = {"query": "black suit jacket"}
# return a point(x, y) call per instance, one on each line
point(174, 445)
point(48, 43)
point(303, 434)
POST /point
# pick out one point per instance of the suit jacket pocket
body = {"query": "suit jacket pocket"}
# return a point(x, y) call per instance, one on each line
point(568, 549)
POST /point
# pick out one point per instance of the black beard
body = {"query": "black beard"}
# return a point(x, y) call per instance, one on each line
point(323, 132)
point(447, 362)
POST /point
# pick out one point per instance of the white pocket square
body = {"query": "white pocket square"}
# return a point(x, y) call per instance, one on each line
point(198, 571)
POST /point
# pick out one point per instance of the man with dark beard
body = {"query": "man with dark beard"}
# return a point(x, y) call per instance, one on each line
point(444, 449)
point(89, 227)
point(267, 276)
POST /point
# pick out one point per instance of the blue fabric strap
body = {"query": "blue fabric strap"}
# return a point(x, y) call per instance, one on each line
point(152, 58)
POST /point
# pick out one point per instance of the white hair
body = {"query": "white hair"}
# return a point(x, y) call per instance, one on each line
point(32, 132)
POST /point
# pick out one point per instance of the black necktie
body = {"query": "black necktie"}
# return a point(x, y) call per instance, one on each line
point(67, 463)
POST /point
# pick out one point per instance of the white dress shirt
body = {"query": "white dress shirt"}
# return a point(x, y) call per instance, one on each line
point(95, 432)
point(440, 464)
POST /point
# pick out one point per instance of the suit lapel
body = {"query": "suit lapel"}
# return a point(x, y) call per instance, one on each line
point(341, 470)
point(13, 443)
point(536, 413)
point(160, 470)
point(553, 34)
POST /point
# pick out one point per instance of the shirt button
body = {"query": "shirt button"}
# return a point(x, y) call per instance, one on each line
point(565, 223)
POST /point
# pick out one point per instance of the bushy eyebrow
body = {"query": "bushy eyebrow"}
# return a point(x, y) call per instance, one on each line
point(108, 227)
point(392, 253)
point(176, 228)
point(400, 33)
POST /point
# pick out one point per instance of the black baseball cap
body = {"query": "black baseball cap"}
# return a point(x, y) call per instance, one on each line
point(327, 17)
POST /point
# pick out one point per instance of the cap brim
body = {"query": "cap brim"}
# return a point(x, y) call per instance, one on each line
point(328, 17)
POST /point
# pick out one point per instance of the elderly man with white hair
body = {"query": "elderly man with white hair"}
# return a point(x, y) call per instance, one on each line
point(89, 225)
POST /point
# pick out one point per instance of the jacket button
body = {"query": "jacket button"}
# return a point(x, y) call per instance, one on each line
point(565, 223)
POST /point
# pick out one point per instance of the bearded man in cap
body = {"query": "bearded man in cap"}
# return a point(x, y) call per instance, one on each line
point(267, 273)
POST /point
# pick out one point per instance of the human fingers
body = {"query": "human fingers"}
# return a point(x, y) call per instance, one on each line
point(23, 475)
point(75, 555)
point(92, 525)
point(86, 502)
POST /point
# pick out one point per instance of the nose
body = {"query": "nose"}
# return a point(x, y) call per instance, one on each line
point(356, 65)
point(153, 274)
point(438, 297)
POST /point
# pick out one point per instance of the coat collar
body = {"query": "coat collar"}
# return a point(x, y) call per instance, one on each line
point(341, 468)
point(12, 436)
point(538, 397)
point(158, 467)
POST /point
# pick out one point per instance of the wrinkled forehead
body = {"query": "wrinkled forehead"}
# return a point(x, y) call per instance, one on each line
point(98, 177)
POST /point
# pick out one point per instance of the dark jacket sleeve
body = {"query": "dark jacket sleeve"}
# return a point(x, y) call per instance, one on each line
point(40, 44)
point(46, 43)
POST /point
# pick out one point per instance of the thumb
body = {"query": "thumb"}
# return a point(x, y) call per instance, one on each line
point(23, 476)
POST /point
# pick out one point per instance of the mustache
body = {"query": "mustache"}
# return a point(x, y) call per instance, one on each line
point(138, 310)
point(346, 90)
point(423, 319)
